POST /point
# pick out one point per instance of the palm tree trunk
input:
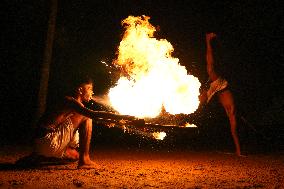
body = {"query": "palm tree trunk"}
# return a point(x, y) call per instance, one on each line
point(47, 58)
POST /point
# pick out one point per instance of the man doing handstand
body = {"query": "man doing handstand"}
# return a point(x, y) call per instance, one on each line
point(219, 86)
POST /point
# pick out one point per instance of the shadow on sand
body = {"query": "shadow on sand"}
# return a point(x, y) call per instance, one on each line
point(28, 163)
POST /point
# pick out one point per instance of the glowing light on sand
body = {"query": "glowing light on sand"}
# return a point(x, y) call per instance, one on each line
point(190, 125)
point(151, 78)
point(159, 135)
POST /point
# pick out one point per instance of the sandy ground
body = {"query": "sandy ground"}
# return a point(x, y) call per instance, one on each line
point(148, 169)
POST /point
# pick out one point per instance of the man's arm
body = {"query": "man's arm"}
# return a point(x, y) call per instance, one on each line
point(81, 109)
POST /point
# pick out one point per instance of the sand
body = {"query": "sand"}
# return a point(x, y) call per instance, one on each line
point(138, 168)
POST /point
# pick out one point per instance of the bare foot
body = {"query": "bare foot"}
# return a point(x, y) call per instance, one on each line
point(240, 155)
point(210, 36)
point(203, 97)
point(88, 165)
point(71, 153)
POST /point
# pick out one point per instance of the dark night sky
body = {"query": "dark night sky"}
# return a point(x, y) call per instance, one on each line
point(89, 31)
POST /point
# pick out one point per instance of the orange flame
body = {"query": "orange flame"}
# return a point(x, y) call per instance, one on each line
point(189, 125)
point(159, 135)
point(154, 79)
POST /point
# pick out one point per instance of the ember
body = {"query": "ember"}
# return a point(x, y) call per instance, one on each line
point(159, 135)
point(190, 125)
point(151, 78)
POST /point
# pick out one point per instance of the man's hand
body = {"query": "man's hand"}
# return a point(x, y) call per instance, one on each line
point(210, 36)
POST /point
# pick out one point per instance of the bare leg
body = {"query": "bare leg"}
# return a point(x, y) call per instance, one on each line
point(85, 133)
point(209, 65)
point(209, 57)
point(203, 97)
point(227, 100)
point(71, 153)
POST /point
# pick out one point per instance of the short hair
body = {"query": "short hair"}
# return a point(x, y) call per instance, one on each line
point(77, 81)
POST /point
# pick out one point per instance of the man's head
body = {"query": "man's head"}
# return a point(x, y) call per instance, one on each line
point(85, 92)
point(83, 88)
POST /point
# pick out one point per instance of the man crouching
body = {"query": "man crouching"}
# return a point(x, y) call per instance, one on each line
point(57, 130)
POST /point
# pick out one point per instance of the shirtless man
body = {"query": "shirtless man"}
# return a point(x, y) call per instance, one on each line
point(219, 86)
point(56, 131)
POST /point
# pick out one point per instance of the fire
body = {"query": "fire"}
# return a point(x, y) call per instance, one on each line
point(190, 125)
point(152, 78)
point(159, 135)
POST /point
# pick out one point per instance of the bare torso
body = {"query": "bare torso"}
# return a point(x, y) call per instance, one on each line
point(62, 112)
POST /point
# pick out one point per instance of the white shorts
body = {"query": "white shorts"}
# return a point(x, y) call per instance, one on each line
point(217, 85)
point(54, 144)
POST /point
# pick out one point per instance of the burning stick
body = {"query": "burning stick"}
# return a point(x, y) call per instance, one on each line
point(136, 126)
point(154, 135)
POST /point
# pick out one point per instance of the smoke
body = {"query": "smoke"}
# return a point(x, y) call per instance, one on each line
point(103, 100)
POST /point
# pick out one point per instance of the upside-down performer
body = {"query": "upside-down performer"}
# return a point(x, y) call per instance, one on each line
point(60, 130)
point(219, 86)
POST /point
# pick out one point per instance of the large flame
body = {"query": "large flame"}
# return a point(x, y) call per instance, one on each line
point(152, 79)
